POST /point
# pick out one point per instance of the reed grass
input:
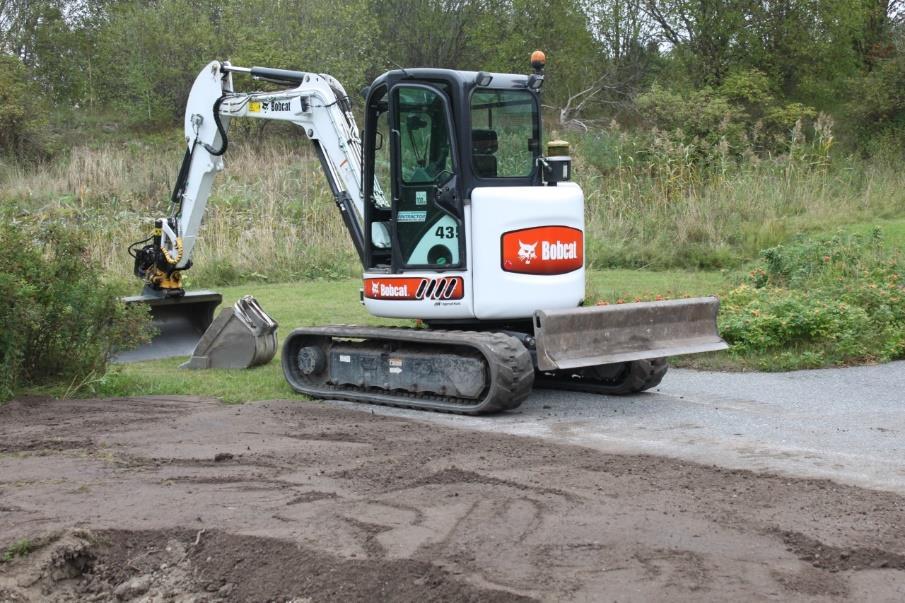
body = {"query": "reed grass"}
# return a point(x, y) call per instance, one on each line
point(270, 216)
point(651, 203)
point(665, 204)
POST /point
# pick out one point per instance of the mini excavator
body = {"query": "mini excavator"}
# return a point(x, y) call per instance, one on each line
point(460, 219)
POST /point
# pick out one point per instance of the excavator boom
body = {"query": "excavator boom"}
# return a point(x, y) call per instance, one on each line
point(319, 105)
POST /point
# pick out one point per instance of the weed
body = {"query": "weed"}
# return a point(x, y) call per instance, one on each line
point(20, 548)
point(654, 199)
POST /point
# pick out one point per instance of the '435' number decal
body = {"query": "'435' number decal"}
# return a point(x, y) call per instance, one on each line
point(447, 232)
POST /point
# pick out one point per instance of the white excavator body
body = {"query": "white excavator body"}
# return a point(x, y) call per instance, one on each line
point(459, 221)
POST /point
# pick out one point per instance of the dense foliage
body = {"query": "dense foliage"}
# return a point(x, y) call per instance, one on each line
point(60, 321)
point(819, 301)
point(742, 68)
point(21, 113)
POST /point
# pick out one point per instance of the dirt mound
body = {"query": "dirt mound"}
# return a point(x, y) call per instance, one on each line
point(835, 559)
point(159, 565)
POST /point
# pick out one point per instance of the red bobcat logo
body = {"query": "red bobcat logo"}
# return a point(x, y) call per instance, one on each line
point(555, 250)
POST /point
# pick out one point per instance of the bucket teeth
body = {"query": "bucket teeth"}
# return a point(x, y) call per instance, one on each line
point(241, 337)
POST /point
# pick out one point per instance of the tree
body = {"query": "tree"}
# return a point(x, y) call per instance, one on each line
point(701, 31)
point(21, 112)
point(150, 53)
point(628, 39)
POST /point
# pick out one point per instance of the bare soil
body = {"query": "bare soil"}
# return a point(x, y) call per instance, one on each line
point(183, 499)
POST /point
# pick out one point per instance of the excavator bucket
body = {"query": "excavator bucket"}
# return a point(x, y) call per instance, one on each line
point(580, 337)
point(179, 322)
point(241, 337)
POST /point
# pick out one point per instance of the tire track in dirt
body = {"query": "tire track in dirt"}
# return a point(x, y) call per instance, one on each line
point(309, 500)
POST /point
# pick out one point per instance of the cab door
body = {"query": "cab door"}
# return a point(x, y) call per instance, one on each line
point(427, 207)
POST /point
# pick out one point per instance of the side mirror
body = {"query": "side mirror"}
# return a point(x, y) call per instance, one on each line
point(378, 140)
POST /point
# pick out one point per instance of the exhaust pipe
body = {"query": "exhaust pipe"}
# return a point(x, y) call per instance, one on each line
point(180, 322)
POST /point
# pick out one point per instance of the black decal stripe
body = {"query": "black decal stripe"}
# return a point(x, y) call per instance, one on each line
point(438, 290)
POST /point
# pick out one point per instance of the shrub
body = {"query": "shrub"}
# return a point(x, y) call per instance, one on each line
point(61, 323)
point(740, 117)
point(819, 302)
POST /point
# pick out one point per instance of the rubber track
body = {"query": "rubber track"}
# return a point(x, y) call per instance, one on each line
point(641, 376)
point(509, 365)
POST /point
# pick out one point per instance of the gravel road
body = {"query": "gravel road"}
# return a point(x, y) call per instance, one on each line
point(842, 424)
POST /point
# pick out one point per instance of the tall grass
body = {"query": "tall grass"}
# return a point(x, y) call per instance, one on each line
point(652, 201)
point(270, 216)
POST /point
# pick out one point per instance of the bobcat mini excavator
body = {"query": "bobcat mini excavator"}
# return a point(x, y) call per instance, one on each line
point(459, 220)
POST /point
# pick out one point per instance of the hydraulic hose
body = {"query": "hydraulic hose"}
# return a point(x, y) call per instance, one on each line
point(220, 129)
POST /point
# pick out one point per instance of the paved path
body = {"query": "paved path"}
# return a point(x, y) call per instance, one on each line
point(844, 424)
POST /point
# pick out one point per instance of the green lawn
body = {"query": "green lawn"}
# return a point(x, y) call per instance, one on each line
point(337, 302)
point(612, 285)
point(893, 231)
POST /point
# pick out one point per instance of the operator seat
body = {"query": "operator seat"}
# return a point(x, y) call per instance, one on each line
point(483, 146)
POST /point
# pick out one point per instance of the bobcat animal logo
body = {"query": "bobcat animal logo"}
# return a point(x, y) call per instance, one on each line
point(375, 289)
point(526, 253)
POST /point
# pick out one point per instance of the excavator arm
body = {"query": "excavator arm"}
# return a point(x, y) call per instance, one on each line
point(317, 103)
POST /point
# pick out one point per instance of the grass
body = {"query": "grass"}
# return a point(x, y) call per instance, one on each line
point(270, 217)
point(628, 285)
point(893, 231)
point(290, 304)
point(659, 207)
point(687, 223)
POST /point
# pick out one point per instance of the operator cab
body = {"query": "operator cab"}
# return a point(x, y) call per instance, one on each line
point(431, 137)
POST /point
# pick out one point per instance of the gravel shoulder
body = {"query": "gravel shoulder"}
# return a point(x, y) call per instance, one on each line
point(188, 499)
point(845, 424)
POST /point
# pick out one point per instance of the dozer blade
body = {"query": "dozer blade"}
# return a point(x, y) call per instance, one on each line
point(241, 337)
point(580, 337)
point(179, 321)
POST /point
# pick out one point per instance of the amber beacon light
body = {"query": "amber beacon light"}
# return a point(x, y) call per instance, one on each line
point(538, 60)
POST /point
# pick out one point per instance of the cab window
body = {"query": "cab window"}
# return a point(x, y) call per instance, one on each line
point(425, 147)
point(504, 133)
point(427, 232)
